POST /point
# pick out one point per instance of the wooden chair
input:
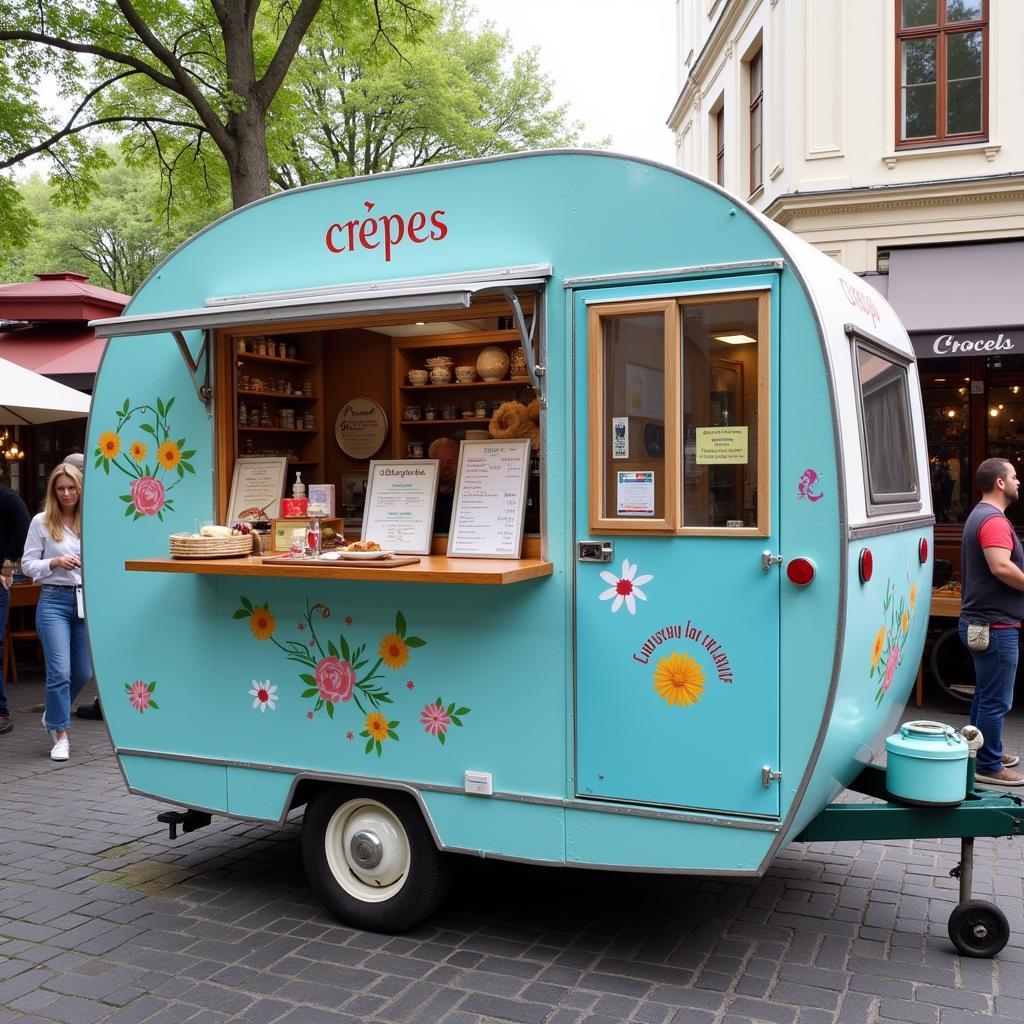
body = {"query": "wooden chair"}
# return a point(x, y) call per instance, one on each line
point(20, 626)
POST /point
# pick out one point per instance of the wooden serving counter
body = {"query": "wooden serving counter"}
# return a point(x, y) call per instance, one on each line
point(429, 569)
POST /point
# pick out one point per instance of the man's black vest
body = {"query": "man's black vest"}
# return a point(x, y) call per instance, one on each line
point(985, 598)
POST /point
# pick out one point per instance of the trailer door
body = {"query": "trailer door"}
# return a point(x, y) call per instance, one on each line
point(677, 583)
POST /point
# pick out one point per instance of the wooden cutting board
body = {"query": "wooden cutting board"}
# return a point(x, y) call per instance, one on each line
point(391, 562)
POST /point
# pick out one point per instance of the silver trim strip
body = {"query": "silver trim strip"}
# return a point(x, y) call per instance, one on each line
point(636, 276)
point(881, 529)
point(415, 788)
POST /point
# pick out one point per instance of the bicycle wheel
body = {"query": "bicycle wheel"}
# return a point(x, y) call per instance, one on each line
point(953, 667)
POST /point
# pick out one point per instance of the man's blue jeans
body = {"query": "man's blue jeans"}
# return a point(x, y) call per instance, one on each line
point(5, 600)
point(994, 673)
point(66, 649)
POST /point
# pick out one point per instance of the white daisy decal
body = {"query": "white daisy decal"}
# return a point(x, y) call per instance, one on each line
point(264, 695)
point(625, 589)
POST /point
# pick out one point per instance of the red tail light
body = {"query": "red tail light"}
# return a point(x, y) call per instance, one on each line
point(800, 571)
point(922, 550)
point(867, 564)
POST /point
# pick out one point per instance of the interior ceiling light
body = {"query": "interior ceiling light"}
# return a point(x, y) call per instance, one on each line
point(735, 339)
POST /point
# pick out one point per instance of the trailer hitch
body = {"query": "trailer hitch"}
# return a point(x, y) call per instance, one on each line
point(188, 820)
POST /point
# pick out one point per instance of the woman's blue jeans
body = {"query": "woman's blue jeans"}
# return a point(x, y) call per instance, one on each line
point(994, 673)
point(66, 649)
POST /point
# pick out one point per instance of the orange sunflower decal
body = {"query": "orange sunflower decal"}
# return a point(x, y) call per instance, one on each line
point(679, 679)
point(138, 450)
point(913, 597)
point(110, 445)
point(394, 650)
point(168, 455)
point(377, 726)
point(262, 623)
point(905, 623)
point(876, 652)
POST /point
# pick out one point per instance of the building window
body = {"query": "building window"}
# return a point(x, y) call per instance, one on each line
point(942, 50)
point(756, 123)
point(720, 146)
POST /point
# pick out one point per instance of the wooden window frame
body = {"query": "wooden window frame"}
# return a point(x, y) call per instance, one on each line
point(756, 153)
point(672, 522)
point(941, 30)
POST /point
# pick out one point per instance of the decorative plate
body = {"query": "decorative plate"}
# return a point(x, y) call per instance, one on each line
point(363, 556)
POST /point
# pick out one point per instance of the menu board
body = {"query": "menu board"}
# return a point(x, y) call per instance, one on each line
point(399, 509)
point(490, 499)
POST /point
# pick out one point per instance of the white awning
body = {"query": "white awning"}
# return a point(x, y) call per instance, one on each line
point(441, 291)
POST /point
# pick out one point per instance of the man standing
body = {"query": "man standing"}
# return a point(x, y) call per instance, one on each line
point(992, 580)
point(14, 520)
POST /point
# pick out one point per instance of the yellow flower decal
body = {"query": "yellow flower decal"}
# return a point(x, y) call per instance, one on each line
point(138, 450)
point(110, 445)
point(905, 623)
point(394, 650)
point(913, 597)
point(262, 622)
point(377, 726)
point(168, 455)
point(879, 644)
point(679, 679)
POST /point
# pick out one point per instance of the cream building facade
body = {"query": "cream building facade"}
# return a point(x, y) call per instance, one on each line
point(889, 134)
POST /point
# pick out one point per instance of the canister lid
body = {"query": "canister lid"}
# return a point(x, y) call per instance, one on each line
point(933, 740)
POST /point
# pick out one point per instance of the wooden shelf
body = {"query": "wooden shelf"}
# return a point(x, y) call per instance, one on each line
point(277, 394)
point(429, 569)
point(250, 357)
point(436, 422)
point(277, 430)
point(519, 382)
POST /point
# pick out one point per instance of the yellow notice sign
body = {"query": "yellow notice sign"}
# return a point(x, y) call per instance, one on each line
point(717, 446)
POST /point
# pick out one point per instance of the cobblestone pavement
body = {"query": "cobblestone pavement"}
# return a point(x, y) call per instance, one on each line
point(102, 918)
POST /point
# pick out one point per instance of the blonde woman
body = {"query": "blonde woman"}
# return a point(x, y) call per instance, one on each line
point(53, 557)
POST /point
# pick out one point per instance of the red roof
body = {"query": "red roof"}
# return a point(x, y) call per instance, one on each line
point(63, 296)
point(53, 349)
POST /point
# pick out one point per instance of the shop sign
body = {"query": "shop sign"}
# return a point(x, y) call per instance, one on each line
point(978, 343)
point(361, 428)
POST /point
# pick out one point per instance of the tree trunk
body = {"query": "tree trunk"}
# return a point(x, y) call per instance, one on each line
point(249, 165)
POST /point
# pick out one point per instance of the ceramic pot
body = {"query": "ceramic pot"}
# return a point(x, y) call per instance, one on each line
point(518, 363)
point(440, 375)
point(465, 374)
point(418, 377)
point(492, 363)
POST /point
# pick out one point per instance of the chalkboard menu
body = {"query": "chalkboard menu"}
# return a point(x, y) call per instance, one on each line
point(490, 499)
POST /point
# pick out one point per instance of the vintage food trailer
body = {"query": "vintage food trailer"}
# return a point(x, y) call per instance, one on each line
point(721, 600)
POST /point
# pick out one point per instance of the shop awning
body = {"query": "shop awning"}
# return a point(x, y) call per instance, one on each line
point(952, 289)
point(442, 291)
point(51, 350)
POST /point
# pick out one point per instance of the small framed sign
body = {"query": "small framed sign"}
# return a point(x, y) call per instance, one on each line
point(257, 484)
point(490, 499)
point(399, 509)
point(361, 428)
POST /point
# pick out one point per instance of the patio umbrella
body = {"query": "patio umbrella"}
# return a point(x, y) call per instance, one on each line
point(27, 397)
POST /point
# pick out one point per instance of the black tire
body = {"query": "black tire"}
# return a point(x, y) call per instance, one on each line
point(371, 859)
point(953, 667)
point(978, 928)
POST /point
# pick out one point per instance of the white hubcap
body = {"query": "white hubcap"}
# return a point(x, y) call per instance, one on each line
point(367, 850)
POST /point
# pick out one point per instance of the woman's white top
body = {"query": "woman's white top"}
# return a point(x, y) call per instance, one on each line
point(40, 547)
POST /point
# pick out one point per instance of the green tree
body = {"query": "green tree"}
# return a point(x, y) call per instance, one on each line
point(117, 238)
point(352, 107)
point(160, 73)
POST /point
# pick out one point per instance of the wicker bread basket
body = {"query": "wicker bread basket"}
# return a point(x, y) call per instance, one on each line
point(186, 545)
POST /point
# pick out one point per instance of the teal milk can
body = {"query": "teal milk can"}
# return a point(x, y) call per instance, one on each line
point(927, 764)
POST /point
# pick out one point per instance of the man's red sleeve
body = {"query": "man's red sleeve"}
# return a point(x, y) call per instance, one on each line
point(996, 532)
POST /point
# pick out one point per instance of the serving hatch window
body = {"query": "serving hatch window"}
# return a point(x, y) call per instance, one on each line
point(679, 417)
point(887, 435)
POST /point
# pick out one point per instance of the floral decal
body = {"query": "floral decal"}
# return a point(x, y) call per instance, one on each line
point(339, 674)
point(679, 679)
point(140, 695)
point(625, 589)
point(264, 695)
point(437, 719)
point(148, 492)
point(809, 486)
point(890, 641)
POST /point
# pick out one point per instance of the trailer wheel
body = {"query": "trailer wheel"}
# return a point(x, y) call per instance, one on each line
point(978, 928)
point(371, 859)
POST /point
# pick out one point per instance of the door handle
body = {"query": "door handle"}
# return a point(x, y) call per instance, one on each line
point(768, 560)
point(594, 550)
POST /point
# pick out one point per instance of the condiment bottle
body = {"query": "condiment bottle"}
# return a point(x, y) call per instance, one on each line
point(313, 538)
point(298, 488)
point(243, 415)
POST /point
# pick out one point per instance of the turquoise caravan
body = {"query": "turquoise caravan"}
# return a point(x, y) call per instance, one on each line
point(716, 608)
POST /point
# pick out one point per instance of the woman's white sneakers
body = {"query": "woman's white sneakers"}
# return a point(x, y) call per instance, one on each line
point(52, 732)
point(61, 750)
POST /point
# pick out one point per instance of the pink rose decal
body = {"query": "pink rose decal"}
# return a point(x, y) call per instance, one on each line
point(147, 495)
point(335, 679)
point(140, 695)
point(891, 663)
